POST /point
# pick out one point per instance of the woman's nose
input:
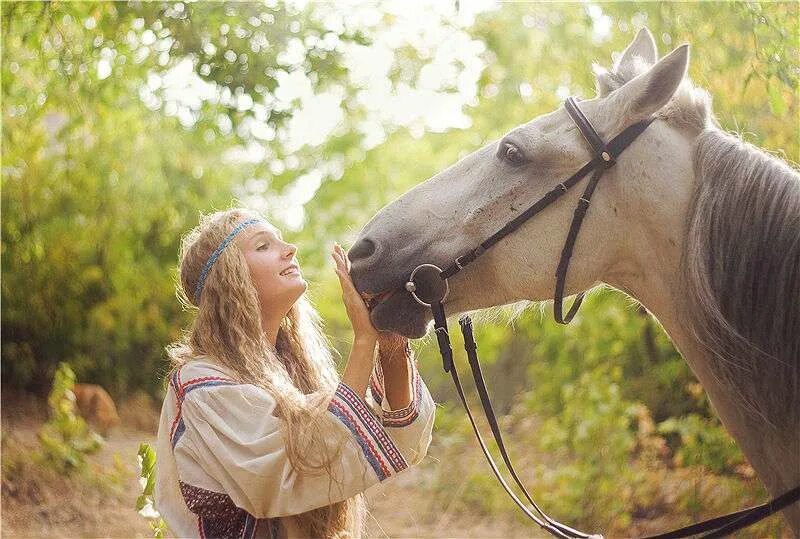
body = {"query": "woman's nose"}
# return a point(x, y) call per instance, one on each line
point(291, 249)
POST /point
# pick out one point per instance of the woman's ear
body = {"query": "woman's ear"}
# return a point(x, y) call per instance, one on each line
point(645, 94)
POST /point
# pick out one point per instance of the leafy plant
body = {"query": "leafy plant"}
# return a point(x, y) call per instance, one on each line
point(145, 504)
point(66, 439)
point(703, 441)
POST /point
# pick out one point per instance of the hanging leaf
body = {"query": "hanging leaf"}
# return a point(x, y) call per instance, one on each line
point(776, 102)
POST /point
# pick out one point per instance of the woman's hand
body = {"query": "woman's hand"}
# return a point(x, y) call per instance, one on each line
point(357, 310)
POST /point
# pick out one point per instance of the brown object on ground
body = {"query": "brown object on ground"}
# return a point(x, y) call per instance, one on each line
point(96, 406)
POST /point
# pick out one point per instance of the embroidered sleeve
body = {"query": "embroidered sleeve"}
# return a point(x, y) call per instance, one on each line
point(410, 426)
point(400, 417)
point(378, 447)
point(229, 438)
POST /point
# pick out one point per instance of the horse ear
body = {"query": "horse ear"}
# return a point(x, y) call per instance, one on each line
point(640, 55)
point(648, 92)
point(641, 50)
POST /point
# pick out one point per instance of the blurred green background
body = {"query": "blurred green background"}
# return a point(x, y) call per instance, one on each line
point(122, 121)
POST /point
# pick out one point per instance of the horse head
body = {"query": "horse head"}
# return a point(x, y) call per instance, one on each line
point(452, 212)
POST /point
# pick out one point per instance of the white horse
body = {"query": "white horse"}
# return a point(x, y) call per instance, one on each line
point(698, 226)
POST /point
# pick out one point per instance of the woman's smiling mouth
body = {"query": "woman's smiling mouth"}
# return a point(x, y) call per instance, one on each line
point(291, 271)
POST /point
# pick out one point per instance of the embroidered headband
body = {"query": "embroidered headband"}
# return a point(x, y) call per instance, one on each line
point(213, 257)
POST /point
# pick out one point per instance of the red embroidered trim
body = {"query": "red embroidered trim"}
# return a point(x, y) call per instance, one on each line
point(405, 416)
point(175, 382)
point(363, 436)
point(375, 426)
point(180, 394)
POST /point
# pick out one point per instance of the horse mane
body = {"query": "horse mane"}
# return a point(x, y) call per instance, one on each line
point(741, 267)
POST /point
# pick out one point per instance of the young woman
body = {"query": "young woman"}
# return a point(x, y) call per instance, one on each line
point(259, 437)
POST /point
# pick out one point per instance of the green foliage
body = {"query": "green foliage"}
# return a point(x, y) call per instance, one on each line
point(65, 439)
point(145, 503)
point(104, 168)
point(704, 442)
point(594, 433)
point(105, 165)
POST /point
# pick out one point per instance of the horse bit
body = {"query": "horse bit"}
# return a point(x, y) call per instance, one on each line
point(604, 158)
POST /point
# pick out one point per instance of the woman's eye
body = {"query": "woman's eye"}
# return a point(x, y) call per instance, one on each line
point(512, 155)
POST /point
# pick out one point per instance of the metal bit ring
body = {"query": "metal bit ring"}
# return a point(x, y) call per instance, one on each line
point(411, 287)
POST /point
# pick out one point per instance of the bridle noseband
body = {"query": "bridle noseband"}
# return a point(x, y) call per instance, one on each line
point(604, 157)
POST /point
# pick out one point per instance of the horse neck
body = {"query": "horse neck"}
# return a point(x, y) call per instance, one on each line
point(773, 453)
point(650, 271)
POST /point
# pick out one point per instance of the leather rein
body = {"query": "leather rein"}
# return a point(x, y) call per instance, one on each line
point(604, 157)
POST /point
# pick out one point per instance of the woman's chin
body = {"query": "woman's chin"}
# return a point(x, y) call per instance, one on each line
point(296, 280)
point(288, 293)
point(302, 285)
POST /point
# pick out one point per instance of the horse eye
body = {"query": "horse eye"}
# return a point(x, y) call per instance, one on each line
point(512, 154)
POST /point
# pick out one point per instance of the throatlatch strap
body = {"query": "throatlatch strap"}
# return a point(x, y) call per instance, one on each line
point(566, 252)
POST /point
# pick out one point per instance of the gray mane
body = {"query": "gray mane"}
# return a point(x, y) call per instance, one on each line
point(741, 265)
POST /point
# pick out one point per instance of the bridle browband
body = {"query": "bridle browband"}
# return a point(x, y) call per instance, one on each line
point(604, 157)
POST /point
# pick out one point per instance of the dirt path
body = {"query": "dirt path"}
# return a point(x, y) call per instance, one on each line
point(37, 502)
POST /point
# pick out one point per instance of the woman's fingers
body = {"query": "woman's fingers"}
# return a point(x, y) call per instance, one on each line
point(341, 258)
point(356, 307)
point(348, 289)
point(344, 257)
point(337, 259)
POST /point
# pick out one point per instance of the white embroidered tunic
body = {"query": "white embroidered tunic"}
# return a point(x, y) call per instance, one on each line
point(222, 468)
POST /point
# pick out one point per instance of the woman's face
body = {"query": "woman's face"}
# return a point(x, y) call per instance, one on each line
point(273, 267)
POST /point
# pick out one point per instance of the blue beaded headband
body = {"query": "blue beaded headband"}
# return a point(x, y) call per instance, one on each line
point(216, 254)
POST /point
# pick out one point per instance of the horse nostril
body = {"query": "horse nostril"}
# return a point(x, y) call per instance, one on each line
point(365, 248)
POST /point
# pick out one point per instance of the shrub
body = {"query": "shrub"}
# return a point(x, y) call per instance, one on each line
point(66, 439)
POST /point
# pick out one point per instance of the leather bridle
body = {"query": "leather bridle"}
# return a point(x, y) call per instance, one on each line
point(604, 157)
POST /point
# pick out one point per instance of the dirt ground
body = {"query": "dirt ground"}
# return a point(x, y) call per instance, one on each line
point(37, 502)
point(45, 505)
